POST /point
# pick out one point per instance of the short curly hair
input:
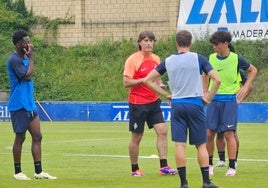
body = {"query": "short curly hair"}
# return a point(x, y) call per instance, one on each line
point(18, 35)
point(220, 37)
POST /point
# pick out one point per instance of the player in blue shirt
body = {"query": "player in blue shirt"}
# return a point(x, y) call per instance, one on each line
point(21, 104)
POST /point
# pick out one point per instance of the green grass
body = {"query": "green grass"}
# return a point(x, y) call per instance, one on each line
point(95, 154)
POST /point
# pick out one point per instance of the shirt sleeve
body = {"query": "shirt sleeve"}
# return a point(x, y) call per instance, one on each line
point(161, 68)
point(129, 68)
point(204, 64)
point(18, 67)
point(243, 63)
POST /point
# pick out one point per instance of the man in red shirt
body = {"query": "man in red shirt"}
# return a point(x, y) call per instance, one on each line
point(144, 104)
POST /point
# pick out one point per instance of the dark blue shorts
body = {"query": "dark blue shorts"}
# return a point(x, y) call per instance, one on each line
point(21, 120)
point(140, 113)
point(222, 116)
point(188, 117)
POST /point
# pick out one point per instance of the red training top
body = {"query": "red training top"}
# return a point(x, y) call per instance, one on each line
point(137, 66)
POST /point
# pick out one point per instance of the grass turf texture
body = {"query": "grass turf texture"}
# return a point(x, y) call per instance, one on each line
point(95, 154)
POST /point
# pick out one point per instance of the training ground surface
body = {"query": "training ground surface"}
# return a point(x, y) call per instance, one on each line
point(95, 155)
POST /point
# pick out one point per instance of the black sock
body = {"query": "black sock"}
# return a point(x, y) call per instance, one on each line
point(38, 167)
point(205, 174)
point(232, 163)
point(211, 160)
point(221, 155)
point(134, 167)
point(17, 167)
point(182, 174)
point(163, 162)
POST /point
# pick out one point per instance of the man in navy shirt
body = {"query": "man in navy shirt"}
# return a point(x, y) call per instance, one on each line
point(22, 106)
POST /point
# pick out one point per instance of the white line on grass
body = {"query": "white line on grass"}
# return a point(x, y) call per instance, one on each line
point(111, 156)
point(153, 156)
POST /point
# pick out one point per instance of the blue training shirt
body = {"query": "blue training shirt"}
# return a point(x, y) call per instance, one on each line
point(22, 91)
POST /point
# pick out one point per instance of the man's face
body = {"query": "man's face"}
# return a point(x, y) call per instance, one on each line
point(220, 47)
point(23, 45)
point(146, 44)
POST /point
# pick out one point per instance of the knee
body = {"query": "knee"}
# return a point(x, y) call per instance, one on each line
point(161, 129)
point(37, 138)
point(20, 138)
point(136, 137)
point(229, 135)
point(210, 135)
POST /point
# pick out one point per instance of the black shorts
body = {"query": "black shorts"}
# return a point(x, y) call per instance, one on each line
point(140, 113)
point(21, 119)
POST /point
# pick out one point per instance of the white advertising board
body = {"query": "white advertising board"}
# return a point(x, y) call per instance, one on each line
point(245, 19)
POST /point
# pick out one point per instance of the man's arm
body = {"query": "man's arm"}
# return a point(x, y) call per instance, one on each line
point(30, 55)
point(208, 96)
point(130, 82)
point(150, 81)
point(244, 91)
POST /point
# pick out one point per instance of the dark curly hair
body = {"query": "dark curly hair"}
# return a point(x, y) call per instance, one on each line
point(220, 37)
point(18, 35)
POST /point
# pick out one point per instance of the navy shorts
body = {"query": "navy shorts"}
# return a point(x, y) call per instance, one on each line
point(140, 113)
point(21, 119)
point(222, 116)
point(188, 117)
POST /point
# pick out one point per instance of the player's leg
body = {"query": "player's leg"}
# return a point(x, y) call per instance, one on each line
point(180, 158)
point(156, 121)
point(137, 117)
point(161, 141)
point(133, 148)
point(210, 145)
point(220, 144)
point(202, 156)
point(213, 114)
point(20, 124)
point(237, 144)
point(198, 137)
point(230, 114)
point(35, 131)
point(232, 149)
point(17, 150)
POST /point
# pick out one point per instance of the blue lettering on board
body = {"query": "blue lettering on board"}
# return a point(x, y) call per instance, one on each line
point(195, 17)
point(246, 16)
point(264, 11)
point(230, 13)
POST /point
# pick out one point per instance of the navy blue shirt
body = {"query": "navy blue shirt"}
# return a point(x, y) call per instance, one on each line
point(22, 91)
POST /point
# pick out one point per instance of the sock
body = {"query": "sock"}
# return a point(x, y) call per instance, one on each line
point(17, 167)
point(205, 174)
point(134, 167)
point(182, 174)
point(163, 163)
point(232, 163)
point(211, 160)
point(38, 167)
point(221, 155)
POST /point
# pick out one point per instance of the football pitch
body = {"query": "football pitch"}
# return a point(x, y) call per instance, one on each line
point(95, 155)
